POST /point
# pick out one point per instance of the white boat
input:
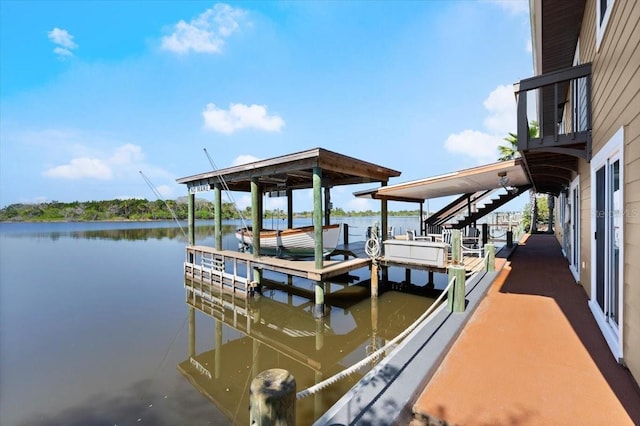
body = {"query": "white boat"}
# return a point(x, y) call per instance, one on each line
point(296, 242)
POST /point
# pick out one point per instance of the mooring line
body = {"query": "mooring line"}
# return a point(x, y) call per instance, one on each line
point(348, 371)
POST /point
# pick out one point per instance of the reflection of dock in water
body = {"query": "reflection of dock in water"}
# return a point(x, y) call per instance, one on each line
point(285, 334)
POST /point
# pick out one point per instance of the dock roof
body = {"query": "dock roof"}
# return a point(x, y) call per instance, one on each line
point(295, 171)
point(481, 178)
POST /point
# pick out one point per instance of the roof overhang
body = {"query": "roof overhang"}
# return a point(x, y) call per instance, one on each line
point(555, 29)
point(294, 171)
point(481, 178)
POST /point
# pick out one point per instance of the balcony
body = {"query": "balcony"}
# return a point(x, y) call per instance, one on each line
point(564, 118)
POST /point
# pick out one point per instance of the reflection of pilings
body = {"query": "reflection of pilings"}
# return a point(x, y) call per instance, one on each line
point(374, 279)
point(317, 398)
point(218, 360)
point(255, 365)
point(319, 333)
point(192, 332)
point(319, 306)
point(374, 315)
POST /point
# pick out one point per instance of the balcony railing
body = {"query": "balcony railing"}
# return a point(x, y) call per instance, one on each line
point(564, 112)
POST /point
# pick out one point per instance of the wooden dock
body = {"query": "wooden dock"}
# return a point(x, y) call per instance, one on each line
point(199, 256)
point(232, 271)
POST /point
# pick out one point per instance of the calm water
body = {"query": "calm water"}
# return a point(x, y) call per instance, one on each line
point(95, 329)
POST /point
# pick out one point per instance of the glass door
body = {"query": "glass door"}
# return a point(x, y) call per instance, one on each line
point(607, 261)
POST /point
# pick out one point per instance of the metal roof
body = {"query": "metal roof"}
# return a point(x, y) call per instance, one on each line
point(481, 178)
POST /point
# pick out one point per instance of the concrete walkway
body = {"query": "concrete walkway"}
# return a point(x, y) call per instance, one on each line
point(531, 354)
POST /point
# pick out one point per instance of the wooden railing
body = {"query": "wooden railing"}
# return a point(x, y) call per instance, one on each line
point(564, 105)
point(208, 265)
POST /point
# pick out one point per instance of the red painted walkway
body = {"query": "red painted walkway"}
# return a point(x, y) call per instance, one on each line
point(532, 354)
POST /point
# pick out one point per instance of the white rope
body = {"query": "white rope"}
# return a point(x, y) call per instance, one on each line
point(372, 246)
point(346, 372)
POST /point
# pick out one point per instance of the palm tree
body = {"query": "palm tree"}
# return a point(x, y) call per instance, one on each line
point(509, 152)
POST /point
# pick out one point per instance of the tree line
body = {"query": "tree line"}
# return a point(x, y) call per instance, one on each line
point(136, 209)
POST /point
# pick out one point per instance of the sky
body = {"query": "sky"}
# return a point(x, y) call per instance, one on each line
point(93, 93)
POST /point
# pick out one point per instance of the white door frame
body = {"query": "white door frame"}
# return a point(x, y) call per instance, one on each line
point(613, 333)
point(574, 228)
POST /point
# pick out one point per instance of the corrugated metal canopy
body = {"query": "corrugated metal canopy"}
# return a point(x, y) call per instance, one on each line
point(465, 181)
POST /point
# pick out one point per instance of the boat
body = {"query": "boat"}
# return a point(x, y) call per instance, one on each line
point(292, 242)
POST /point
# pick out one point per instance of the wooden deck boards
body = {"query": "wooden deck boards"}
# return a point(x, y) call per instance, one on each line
point(332, 267)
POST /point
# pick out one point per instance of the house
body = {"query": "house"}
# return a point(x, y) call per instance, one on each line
point(587, 93)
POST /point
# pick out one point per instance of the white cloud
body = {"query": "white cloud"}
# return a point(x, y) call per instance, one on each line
point(482, 145)
point(125, 154)
point(125, 162)
point(80, 168)
point(244, 159)
point(64, 42)
point(501, 105)
point(206, 33)
point(240, 116)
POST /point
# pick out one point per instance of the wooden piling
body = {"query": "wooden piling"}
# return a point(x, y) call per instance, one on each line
point(374, 279)
point(456, 296)
point(273, 399)
point(490, 250)
point(456, 247)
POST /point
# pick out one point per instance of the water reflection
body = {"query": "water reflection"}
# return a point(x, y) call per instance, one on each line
point(202, 232)
point(279, 330)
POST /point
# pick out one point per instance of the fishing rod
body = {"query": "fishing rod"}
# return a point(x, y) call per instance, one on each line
point(159, 197)
point(226, 188)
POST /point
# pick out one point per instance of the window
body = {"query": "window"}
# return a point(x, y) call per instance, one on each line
point(603, 12)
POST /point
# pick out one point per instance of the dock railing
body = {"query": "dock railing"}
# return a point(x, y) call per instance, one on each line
point(207, 265)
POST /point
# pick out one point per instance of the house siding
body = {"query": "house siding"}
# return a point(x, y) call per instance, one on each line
point(615, 104)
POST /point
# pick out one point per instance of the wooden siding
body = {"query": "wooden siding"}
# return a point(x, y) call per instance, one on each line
point(616, 103)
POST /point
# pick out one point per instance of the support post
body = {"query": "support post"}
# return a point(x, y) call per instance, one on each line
point(407, 275)
point(191, 214)
point(509, 238)
point(317, 216)
point(456, 296)
point(256, 223)
point(327, 206)
point(374, 279)
point(485, 233)
point(490, 251)
point(273, 398)
point(289, 208)
point(217, 199)
point(456, 247)
point(384, 220)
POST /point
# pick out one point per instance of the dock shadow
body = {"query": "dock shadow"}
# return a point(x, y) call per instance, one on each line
point(540, 269)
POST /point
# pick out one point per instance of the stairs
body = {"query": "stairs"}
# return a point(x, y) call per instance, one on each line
point(458, 215)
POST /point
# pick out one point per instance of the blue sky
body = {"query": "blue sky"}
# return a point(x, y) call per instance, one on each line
point(91, 93)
